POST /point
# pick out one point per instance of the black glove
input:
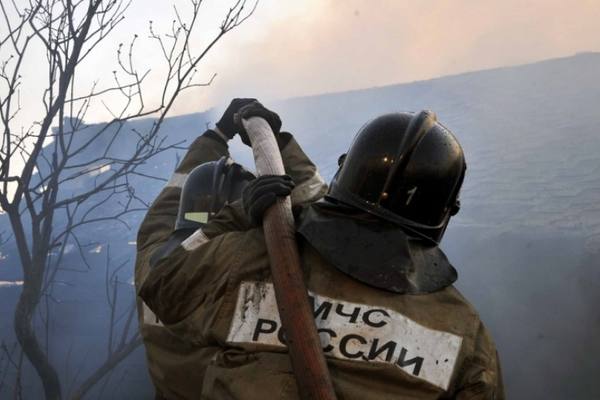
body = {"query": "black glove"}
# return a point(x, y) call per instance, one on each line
point(255, 109)
point(226, 124)
point(262, 193)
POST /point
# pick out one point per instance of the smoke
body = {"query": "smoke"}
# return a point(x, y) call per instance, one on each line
point(324, 46)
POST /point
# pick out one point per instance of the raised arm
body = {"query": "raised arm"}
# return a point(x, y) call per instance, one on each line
point(177, 285)
point(309, 185)
point(158, 224)
point(160, 218)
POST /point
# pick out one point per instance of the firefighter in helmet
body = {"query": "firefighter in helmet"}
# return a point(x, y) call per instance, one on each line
point(390, 321)
point(205, 181)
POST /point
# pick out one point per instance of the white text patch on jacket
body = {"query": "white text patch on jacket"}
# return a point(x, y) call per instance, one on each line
point(351, 331)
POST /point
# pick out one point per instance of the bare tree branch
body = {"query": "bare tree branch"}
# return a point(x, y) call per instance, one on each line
point(105, 368)
point(57, 175)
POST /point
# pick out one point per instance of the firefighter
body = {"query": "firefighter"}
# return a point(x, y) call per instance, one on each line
point(390, 322)
point(205, 180)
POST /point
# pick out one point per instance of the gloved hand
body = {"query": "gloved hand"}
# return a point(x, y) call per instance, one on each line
point(256, 109)
point(226, 124)
point(262, 193)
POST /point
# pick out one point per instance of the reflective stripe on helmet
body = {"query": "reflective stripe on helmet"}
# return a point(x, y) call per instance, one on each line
point(201, 217)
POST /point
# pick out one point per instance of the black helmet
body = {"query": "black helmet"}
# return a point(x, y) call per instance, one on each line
point(405, 168)
point(207, 189)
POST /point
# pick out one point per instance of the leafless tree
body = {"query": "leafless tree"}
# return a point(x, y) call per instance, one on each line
point(38, 161)
point(9, 360)
point(121, 342)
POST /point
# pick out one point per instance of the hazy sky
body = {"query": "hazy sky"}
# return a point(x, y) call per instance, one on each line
point(319, 46)
point(291, 48)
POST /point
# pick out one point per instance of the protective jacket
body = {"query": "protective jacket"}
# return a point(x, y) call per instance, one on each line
point(214, 294)
point(177, 365)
